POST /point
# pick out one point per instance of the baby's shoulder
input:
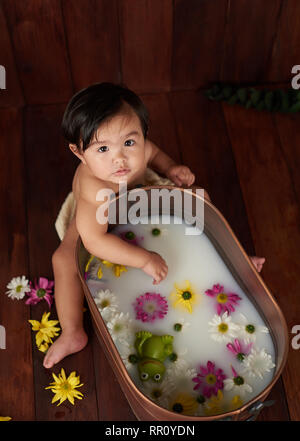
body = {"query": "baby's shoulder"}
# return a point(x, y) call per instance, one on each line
point(86, 186)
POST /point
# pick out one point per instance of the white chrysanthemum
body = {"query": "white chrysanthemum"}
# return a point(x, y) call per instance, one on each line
point(119, 327)
point(257, 363)
point(248, 330)
point(17, 287)
point(95, 271)
point(181, 325)
point(238, 385)
point(222, 329)
point(125, 351)
point(107, 303)
point(159, 392)
point(180, 374)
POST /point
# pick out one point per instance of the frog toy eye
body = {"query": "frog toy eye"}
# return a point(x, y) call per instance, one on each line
point(144, 376)
point(157, 377)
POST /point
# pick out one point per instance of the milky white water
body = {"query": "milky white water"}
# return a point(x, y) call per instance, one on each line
point(193, 258)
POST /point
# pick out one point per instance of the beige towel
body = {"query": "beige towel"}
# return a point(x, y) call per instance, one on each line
point(68, 208)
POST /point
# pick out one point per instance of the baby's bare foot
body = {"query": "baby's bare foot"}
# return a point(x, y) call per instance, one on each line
point(66, 344)
point(257, 262)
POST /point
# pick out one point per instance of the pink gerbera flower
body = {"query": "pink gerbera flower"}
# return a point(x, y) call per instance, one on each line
point(150, 306)
point(239, 350)
point(225, 302)
point(131, 237)
point(209, 380)
point(41, 290)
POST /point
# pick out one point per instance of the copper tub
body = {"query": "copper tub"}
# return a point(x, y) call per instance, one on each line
point(221, 235)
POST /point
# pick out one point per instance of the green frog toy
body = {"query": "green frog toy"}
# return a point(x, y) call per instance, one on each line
point(152, 351)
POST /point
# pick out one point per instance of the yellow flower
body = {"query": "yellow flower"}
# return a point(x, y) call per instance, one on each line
point(184, 403)
point(46, 330)
point(236, 402)
point(117, 269)
point(5, 418)
point(64, 388)
point(184, 297)
point(214, 405)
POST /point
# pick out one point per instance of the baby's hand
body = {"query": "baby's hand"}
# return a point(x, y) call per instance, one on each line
point(156, 267)
point(180, 174)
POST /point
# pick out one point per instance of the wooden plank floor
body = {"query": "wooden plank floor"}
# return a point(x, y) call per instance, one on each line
point(247, 161)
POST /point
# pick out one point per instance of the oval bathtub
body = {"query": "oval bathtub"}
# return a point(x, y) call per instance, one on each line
point(238, 263)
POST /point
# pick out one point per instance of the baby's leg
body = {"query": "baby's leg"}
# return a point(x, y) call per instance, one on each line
point(68, 300)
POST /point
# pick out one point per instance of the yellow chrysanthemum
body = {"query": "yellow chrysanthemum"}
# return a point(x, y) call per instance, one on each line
point(184, 403)
point(236, 402)
point(117, 269)
point(215, 405)
point(184, 297)
point(5, 418)
point(46, 330)
point(65, 388)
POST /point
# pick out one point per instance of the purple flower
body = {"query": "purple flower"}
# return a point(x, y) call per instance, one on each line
point(41, 290)
point(225, 302)
point(209, 379)
point(238, 350)
point(150, 306)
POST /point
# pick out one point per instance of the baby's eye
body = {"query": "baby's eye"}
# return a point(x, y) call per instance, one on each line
point(103, 147)
point(129, 142)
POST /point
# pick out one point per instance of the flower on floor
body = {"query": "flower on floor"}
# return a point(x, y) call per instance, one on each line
point(150, 306)
point(65, 388)
point(258, 363)
point(7, 418)
point(237, 384)
point(46, 330)
point(131, 237)
point(209, 379)
point(248, 330)
point(119, 327)
point(17, 288)
point(224, 301)
point(239, 350)
point(107, 303)
point(117, 269)
point(183, 403)
point(41, 290)
point(215, 405)
point(184, 297)
point(222, 329)
point(181, 325)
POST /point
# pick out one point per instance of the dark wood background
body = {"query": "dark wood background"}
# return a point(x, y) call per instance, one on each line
point(248, 161)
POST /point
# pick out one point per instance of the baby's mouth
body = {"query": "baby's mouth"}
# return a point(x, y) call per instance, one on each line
point(121, 172)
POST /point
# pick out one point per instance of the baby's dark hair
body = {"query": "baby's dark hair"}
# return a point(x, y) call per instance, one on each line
point(89, 107)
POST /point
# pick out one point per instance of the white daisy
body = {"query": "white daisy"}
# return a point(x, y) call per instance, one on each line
point(180, 374)
point(257, 363)
point(222, 329)
point(249, 330)
point(129, 357)
point(17, 287)
point(237, 384)
point(159, 392)
point(107, 303)
point(119, 327)
point(181, 325)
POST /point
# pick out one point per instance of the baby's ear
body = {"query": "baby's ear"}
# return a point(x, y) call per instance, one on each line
point(74, 149)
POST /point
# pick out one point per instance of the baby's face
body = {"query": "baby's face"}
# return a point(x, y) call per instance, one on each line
point(118, 144)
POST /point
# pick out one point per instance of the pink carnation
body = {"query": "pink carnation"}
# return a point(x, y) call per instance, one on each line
point(150, 306)
point(225, 302)
point(41, 290)
point(209, 379)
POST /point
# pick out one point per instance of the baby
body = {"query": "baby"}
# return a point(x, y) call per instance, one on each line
point(106, 128)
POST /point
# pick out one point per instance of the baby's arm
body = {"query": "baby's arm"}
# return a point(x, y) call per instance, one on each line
point(107, 246)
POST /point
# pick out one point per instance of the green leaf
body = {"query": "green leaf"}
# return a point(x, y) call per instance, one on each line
point(269, 100)
point(295, 107)
point(233, 99)
point(242, 95)
point(255, 96)
point(227, 92)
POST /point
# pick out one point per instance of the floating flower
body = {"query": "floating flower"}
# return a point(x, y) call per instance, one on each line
point(249, 330)
point(106, 302)
point(222, 329)
point(224, 301)
point(215, 405)
point(117, 269)
point(129, 357)
point(184, 297)
point(95, 271)
point(150, 306)
point(131, 237)
point(184, 404)
point(41, 291)
point(209, 379)
point(258, 363)
point(119, 327)
point(65, 388)
point(235, 403)
point(17, 288)
point(46, 330)
point(181, 325)
point(158, 392)
point(2, 418)
point(237, 384)
point(239, 350)
point(180, 374)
